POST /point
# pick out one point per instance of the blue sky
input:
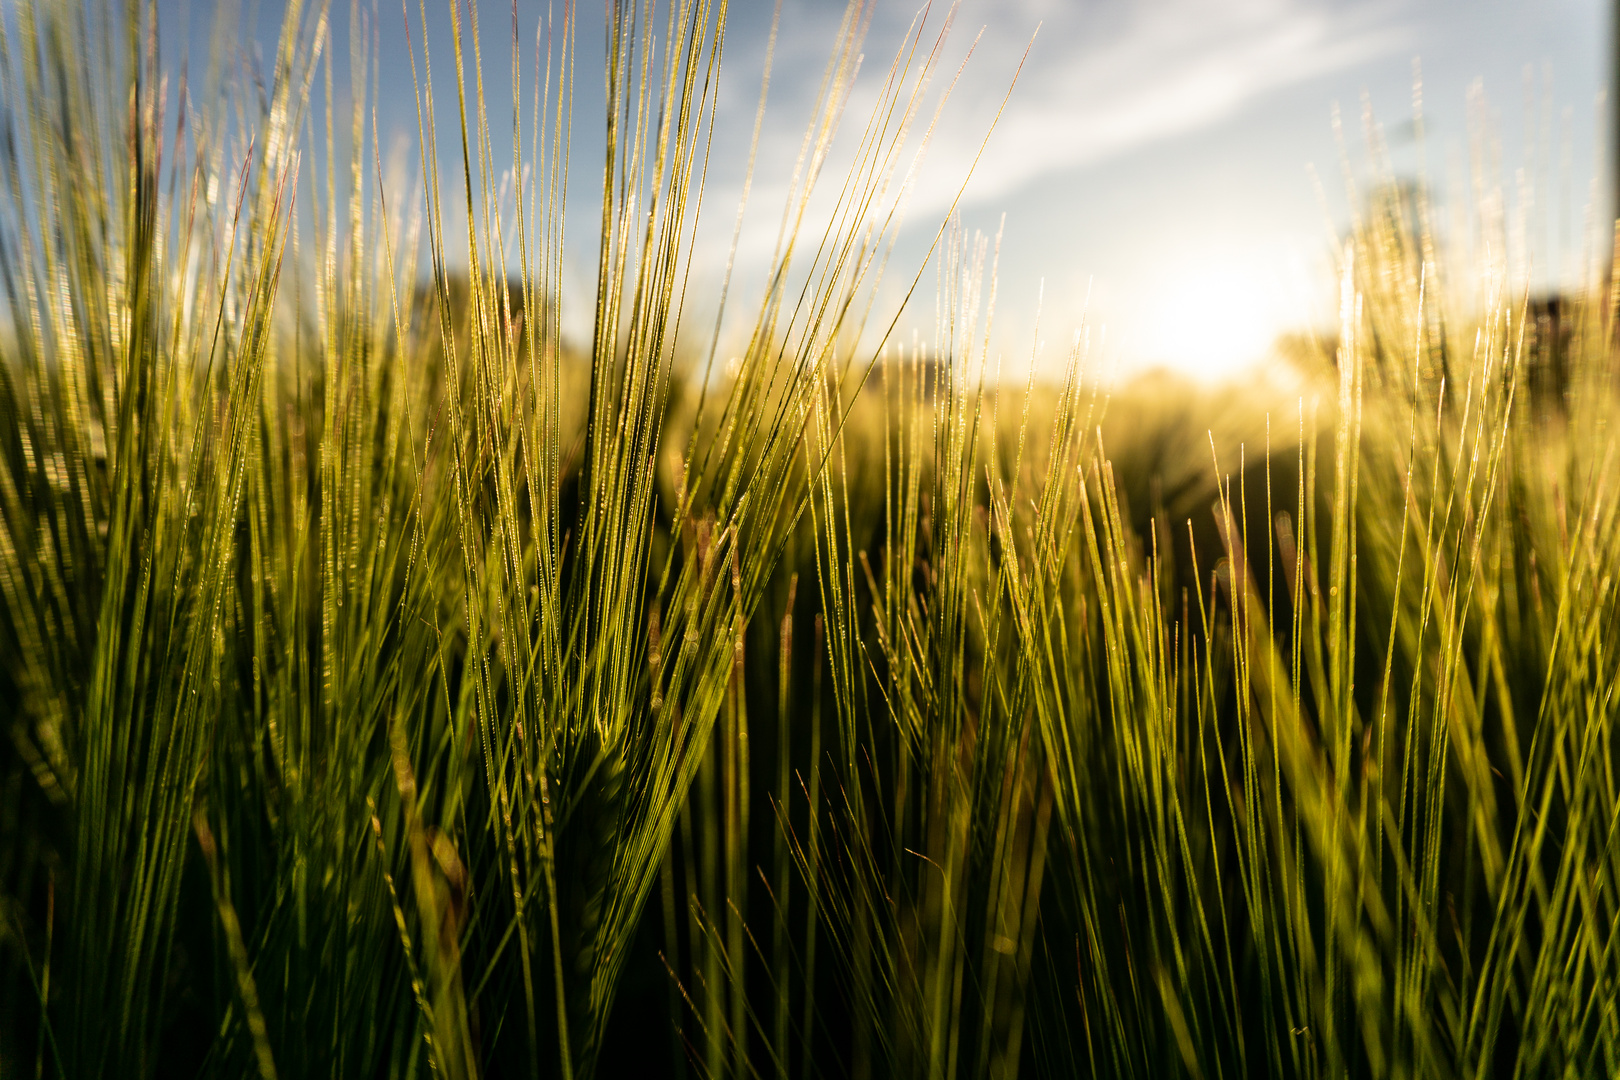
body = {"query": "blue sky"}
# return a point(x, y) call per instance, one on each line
point(1154, 160)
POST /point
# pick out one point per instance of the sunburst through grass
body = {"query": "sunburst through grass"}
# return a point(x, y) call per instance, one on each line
point(372, 651)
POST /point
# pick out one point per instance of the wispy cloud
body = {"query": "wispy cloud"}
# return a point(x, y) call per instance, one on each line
point(1101, 79)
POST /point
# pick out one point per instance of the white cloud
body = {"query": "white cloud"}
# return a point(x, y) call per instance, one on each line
point(1101, 80)
point(1093, 92)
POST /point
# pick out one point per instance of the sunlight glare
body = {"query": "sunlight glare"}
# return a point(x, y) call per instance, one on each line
point(1212, 318)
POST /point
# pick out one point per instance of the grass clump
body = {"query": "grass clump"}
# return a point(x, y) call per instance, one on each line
point(372, 654)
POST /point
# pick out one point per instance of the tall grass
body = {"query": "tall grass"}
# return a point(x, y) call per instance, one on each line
point(395, 685)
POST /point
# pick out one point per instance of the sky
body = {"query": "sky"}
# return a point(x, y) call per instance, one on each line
point(1166, 172)
point(1155, 161)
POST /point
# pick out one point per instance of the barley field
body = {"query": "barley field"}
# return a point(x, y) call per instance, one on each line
point(395, 684)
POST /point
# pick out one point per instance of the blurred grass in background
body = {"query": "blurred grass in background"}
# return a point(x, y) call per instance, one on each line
point(393, 687)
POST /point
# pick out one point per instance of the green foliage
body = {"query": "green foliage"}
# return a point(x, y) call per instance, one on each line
point(370, 655)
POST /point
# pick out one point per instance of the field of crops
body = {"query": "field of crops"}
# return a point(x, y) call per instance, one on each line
point(395, 685)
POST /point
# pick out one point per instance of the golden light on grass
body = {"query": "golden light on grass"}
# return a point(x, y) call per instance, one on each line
point(378, 666)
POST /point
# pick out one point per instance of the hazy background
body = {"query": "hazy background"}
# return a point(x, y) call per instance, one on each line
point(1155, 156)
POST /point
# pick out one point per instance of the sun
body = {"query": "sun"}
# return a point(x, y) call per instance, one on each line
point(1213, 317)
